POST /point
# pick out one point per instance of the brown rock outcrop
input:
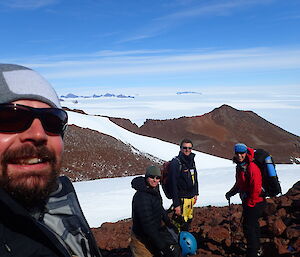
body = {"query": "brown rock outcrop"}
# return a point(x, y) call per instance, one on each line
point(90, 154)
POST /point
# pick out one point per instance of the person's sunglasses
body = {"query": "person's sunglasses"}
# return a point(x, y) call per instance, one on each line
point(15, 118)
point(186, 147)
point(240, 152)
point(153, 177)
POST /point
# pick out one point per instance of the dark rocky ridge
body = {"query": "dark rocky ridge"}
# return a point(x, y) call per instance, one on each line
point(217, 131)
point(218, 230)
point(90, 154)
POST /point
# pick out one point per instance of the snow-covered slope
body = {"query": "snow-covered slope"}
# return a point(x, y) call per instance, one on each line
point(155, 147)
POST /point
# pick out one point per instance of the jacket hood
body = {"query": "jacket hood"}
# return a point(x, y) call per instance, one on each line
point(250, 153)
point(139, 184)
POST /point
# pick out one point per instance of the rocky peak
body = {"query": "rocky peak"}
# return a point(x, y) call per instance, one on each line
point(217, 131)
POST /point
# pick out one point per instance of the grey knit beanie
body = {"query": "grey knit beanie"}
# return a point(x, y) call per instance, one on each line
point(20, 83)
point(152, 171)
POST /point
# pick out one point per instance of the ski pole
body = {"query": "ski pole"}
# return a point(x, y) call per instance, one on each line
point(229, 211)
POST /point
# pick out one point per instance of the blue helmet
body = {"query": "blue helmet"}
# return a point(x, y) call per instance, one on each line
point(187, 243)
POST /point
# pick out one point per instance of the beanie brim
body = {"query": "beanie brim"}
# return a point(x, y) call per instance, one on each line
point(152, 171)
point(21, 83)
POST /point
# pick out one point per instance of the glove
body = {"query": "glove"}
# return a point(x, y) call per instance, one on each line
point(233, 191)
point(177, 210)
point(228, 195)
point(243, 196)
point(171, 225)
point(171, 251)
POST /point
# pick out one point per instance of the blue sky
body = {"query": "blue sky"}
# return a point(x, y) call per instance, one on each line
point(98, 45)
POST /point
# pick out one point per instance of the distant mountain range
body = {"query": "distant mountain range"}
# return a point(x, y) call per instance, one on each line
point(188, 93)
point(70, 95)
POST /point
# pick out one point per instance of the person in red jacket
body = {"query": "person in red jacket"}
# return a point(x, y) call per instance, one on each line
point(249, 185)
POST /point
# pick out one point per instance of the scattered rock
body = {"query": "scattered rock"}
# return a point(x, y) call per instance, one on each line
point(218, 234)
point(276, 225)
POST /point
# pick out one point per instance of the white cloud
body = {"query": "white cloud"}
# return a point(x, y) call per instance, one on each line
point(107, 63)
point(213, 8)
point(28, 4)
point(196, 9)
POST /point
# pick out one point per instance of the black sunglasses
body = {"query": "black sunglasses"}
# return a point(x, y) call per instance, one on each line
point(240, 152)
point(186, 147)
point(153, 177)
point(16, 118)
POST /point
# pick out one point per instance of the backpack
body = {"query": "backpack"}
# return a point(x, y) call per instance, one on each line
point(165, 180)
point(64, 216)
point(270, 183)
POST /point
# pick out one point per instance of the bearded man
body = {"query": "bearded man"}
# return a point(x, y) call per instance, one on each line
point(40, 213)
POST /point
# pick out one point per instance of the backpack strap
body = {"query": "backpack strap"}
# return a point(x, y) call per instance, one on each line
point(65, 217)
point(179, 162)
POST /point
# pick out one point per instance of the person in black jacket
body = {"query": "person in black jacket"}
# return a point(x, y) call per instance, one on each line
point(150, 233)
point(184, 185)
point(40, 214)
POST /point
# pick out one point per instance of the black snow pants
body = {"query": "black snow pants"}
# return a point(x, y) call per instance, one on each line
point(251, 227)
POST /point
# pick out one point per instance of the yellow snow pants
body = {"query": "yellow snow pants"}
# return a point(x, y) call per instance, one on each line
point(182, 222)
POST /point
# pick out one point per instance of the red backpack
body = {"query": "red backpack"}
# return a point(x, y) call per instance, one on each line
point(165, 180)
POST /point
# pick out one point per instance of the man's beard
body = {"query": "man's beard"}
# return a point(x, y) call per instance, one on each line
point(29, 188)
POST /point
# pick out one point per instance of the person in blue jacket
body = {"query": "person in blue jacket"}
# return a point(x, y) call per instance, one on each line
point(184, 185)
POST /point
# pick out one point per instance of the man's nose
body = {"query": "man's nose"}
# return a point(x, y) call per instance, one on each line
point(35, 132)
